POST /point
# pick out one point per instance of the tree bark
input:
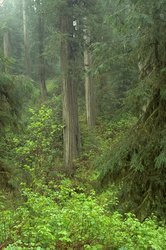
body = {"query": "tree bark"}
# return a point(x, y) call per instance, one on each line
point(89, 84)
point(43, 88)
point(6, 44)
point(26, 42)
point(70, 108)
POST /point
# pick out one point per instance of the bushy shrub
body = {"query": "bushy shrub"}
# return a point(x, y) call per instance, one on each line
point(37, 150)
point(65, 219)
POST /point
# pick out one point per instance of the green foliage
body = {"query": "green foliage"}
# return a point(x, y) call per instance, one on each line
point(50, 221)
point(37, 150)
point(137, 161)
point(119, 126)
point(111, 134)
point(114, 61)
point(16, 93)
point(128, 52)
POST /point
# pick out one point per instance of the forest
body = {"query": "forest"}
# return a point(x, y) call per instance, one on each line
point(83, 124)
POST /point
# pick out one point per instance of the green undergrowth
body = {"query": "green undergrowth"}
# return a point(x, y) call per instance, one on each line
point(54, 212)
point(137, 162)
point(97, 144)
point(33, 150)
point(60, 217)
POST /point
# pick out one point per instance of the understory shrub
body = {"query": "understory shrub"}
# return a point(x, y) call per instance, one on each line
point(37, 150)
point(65, 219)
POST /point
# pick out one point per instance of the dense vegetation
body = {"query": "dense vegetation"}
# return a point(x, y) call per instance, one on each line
point(82, 124)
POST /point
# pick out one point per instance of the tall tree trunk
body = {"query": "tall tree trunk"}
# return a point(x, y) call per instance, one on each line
point(70, 109)
point(43, 88)
point(89, 84)
point(6, 44)
point(25, 34)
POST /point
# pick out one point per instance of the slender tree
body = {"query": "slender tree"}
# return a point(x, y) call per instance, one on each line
point(25, 34)
point(7, 43)
point(40, 31)
point(89, 84)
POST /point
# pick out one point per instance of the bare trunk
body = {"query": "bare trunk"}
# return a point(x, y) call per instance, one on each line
point(70, 110)
point(89, 84)
point(26, 43)
point(6, 44)
point(43, 88)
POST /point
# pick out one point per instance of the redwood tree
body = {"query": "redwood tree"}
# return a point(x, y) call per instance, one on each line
point(69, 83)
